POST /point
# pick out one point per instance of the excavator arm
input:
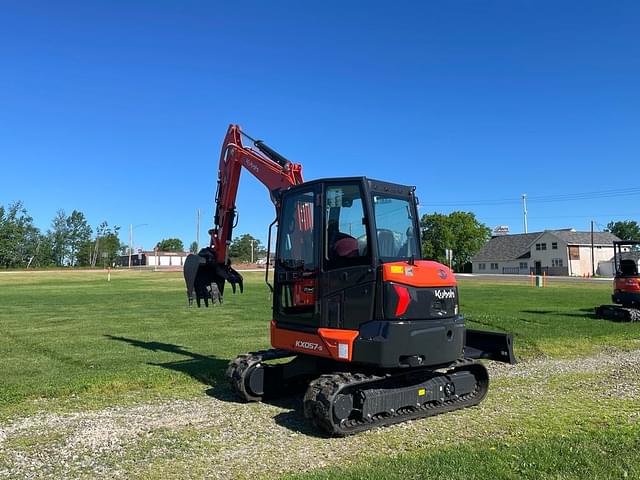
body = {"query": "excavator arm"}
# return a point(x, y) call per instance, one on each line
point(207, 272)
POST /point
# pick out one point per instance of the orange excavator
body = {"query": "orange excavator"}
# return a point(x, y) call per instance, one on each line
point(360, 320)
point(626, 284)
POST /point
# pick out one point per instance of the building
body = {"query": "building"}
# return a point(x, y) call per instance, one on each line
point(554, 252)
point(153, 259)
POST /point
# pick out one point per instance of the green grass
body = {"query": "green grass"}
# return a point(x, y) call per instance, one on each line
point(595, 454)
point(72, 341)
point(64, 335)
point(76, 337)
point(556, 321)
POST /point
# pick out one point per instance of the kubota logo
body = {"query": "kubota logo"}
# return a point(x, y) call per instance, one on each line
point(252, 165)
point(308, 345)
point(445, 294)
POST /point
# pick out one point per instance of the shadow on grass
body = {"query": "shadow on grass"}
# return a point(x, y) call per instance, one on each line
point(580, 313)
point(210, 371)
point(204, 368)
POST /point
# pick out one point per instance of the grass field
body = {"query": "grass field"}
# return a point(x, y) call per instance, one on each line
point(74, 346)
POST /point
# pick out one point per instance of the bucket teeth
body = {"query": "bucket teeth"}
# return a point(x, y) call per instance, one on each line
point(205, 278)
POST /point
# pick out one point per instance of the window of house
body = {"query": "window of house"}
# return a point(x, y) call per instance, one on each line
point(482, 266)
point(554, 246)
point(556, 262)
point(494, 266)
point(574, 253)
point(524, 265)
point(544, 246)
point(537, 246)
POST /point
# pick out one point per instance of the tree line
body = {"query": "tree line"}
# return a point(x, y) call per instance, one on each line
point(70, 241)
point(464, 235)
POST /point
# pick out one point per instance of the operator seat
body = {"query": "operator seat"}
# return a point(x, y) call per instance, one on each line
point(386, 243)
point(629, 268)
point(347, 246)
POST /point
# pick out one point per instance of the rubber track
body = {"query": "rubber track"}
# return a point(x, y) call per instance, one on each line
point(242, 365)
point(608, 312)
point(319, 398)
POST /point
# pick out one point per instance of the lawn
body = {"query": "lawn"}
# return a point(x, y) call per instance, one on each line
point(73, 342)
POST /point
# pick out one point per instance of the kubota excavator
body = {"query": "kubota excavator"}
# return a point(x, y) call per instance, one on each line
point(626, 284)
point(372, 331)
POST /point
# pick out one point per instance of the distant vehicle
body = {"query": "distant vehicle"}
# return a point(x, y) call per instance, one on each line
point(626, 284)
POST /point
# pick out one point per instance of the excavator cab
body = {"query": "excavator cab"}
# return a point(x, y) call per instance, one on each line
point(350, 283)
point(626, 290)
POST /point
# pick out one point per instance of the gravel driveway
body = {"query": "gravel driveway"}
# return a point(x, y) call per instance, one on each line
point(213, 436)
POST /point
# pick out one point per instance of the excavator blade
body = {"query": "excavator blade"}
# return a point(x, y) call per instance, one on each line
point(489, 345)
point(205, 278)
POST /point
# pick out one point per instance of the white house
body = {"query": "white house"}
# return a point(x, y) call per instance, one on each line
point(556, 252)
point(164, 259)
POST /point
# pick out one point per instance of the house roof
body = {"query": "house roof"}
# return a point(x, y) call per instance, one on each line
point(584, 238)
point(630, 255)
point(512, 247)
point(506, 247)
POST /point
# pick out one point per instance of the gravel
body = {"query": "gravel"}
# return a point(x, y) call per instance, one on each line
point(216, 437)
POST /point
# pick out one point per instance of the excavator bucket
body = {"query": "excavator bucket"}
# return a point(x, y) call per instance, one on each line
point(205, 278)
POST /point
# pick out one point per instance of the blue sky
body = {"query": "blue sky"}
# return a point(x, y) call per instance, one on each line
point(118, 109)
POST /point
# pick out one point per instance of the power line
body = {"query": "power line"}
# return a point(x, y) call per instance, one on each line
point(544, 217)
point(620, 192)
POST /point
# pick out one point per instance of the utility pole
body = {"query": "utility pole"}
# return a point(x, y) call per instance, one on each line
point(130, 242)
point(593, 263)
point(197, 231)
point(524, 205)
point(252, 242)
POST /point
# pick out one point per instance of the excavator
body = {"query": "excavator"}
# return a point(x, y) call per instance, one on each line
point(626, 284)
point(371, 330)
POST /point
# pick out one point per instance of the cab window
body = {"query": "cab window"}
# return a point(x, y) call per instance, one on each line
point(345, 237)
point(395, 233)
point(296, 247)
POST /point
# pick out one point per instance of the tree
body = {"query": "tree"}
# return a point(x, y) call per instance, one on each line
point(625, 230)
point(78, 234)
point(240, 248)
point(170, 245)
point(436, 236)
point(193, 248)
point(460, 232)
point(44, 252)
point(59, 235)
point(18, 236)
point(103, 250)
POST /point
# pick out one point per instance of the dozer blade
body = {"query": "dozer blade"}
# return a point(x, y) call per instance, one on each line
point(489, 345)
point(205, 278)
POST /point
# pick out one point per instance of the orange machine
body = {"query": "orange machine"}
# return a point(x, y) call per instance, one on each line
point(626, 284)
point(372, 331)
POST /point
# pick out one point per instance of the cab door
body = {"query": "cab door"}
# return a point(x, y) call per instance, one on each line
point(297, 263)
point(348, 276)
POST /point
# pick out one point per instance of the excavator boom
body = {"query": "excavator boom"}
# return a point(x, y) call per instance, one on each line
point(207, 272)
